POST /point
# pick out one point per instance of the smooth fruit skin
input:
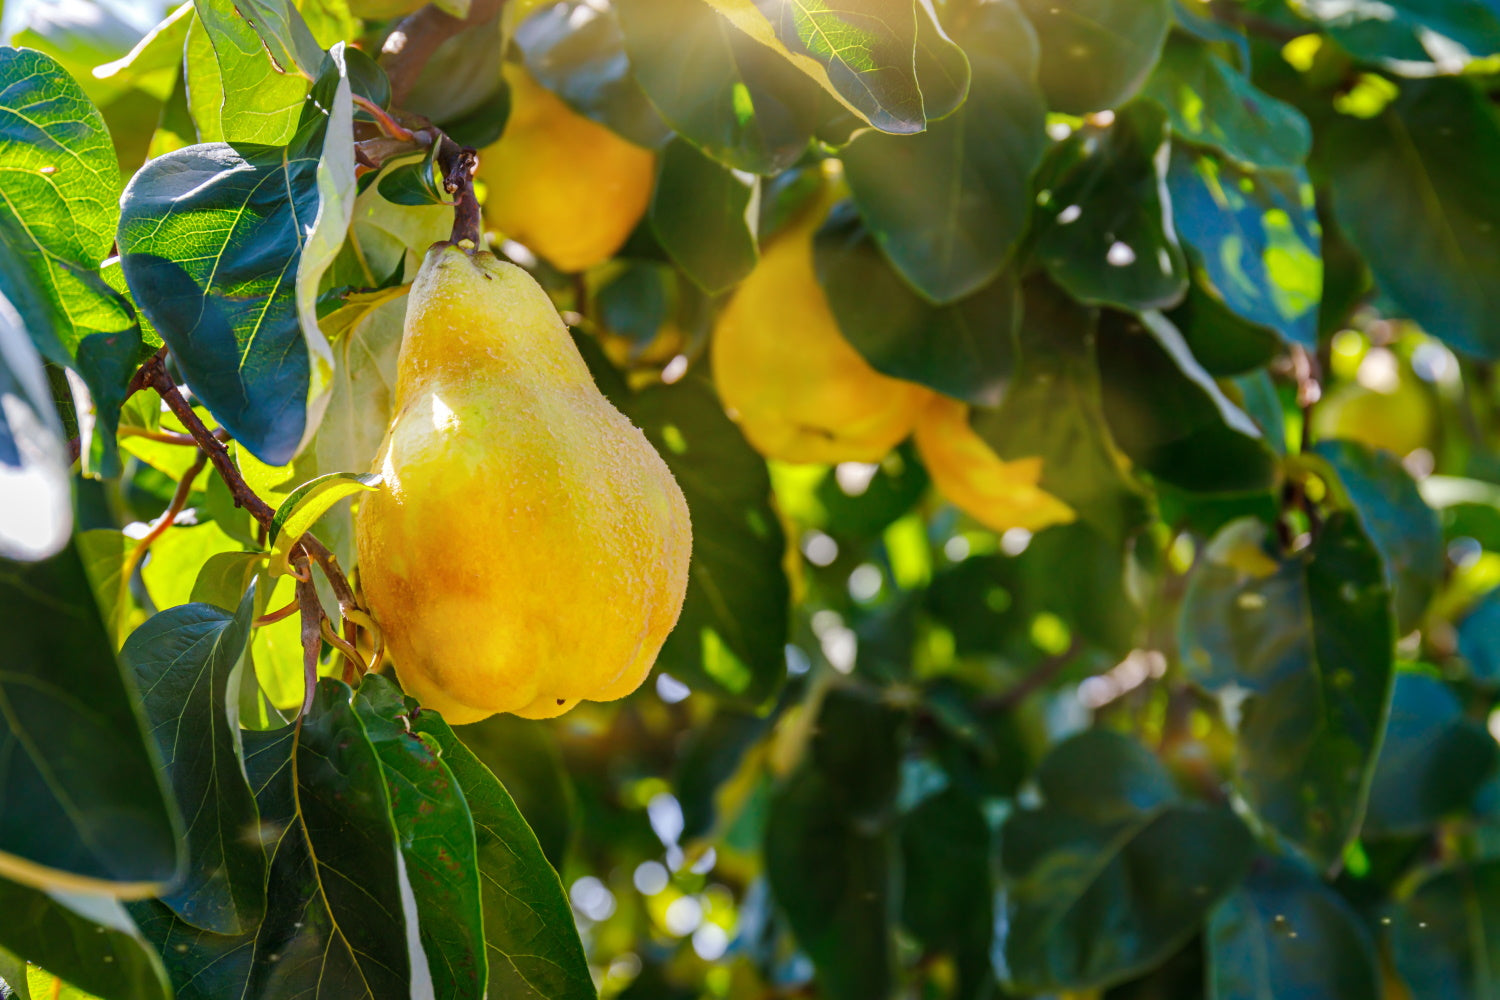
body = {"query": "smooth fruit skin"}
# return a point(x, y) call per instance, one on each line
point(529, 548)
point(800, 391)
point(562, 184)
point(1000, 495)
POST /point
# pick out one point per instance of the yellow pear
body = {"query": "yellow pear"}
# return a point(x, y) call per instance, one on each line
point(529, 548)
point(998, 494)
point(800, 391)
point(560, 183)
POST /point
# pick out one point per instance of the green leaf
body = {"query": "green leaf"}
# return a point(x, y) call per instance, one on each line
point(1222, 341)
point(1445, 936)
point(35, 492)
point(366, 336)
point(437, 840)
point(87, 806)
point(155, 61)
point(1255, 241)
point(965, 349)
point(257, 101)
point(88, 940)
point(1171, 417)
point(182, 659)
point(948, 207)
point(1417, 192)
point(583, 59)
point(284, 35)
point(1096, 54)
point(702, 213)
point(218, 251)
point(1104, 226)
point(1432, 762)
point(1054, 409)
point(1404, 530)
point(1210, 103)
point(416, 182)
point(735, 100)
point(830, 848)
point(524, 756)
point(530, 938)
point(334, 924)
point(886, 60)
point(1300, 649)
point(948, 900)
point(1113, 873)
point(1285, 934)
point(1415, 37)
point(59, 204)
point(308, 502)
point(730, 636)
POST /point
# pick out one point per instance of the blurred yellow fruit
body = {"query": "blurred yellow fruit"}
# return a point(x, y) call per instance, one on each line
point(800, 391)
point(1399, 421)
point(529, 548)
point(1000, 495)
point(562, 184)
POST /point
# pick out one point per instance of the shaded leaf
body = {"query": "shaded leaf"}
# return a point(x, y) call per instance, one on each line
point(437, 840)
point(89, 940)
point(84, 805)
point(530, 937)
point(1445, 936)
point(182, 659)
point(1097, 53)
point(951, 232)
point(702, 213)
point(1300, 650)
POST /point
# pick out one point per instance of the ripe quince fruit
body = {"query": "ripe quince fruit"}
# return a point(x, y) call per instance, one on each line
point(1399, 421)
point(999, 494)
point(562, 184)
point(799, 390)
point(529, 548)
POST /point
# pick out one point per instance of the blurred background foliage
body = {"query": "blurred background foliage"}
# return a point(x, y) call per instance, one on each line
point(1088, 414)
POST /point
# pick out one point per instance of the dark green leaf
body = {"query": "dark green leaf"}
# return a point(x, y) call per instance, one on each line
point(948, 900)
point(1223, 342)
point(182, 660)
point(530, 936)
point(1170, 416)
point(1285, 934)
point(1479, 640)
point(1213, 104)
point(219, 253)
point(1255, 240)
point(582, 59)
point(1417, 192)
point(1432, 762)
point(88, 940)
point(734, 99)
point(437, 840)
point(731, 634)
point(1445, 937)
point(701, 215)
point(1095, 894)
point(1104, 225)
point(1054, 410)
point(1301, 647)
point(1419, 37)
point(1397, 521)
point(710, 754)
point(416, 183)
point(1097, 53)
point(524, 757)
point(949, 206)
point(84, 803)
point(964, 349)
point(334, 924)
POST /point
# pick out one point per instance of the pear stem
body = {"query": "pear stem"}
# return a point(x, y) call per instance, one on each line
point(458, 179)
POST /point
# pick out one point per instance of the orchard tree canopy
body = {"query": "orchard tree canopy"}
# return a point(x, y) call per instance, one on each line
point(1086, 411)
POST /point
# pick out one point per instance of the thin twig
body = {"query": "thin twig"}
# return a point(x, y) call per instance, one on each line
point(168, 518)
point(312, 636)
point(1045, 673)
point(408, 48)
point(458, 180)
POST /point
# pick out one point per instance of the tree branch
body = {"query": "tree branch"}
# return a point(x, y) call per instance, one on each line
point(458, 180)
point(1045, 673)
point(312, 633)
point(408, 48)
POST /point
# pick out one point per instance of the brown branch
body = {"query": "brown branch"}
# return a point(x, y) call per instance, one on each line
point(156, 377)
point(458, 180)
point(312, 634)
point(1045, 673)
point(1235, 16)
point(408, 48)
